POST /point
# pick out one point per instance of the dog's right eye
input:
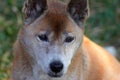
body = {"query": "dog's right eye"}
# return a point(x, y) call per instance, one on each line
point(69, 39)
point(43, 37)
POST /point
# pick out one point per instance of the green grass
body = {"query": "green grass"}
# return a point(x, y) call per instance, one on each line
point(104, 23)
point(10, 21)
point(103, 27)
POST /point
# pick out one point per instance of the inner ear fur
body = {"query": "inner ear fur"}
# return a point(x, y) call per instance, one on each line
point(78, 10)
point(32, 9)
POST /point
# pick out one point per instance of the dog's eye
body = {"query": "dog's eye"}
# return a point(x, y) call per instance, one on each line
point(69, 39)
point(43, 37)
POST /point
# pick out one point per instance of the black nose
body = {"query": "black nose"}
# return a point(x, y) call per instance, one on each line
point(56, 66)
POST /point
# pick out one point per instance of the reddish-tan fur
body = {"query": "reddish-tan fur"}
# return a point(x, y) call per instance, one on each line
point(102, 65)
point(90, 62)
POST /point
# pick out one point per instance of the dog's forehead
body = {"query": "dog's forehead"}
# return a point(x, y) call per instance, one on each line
point(56, 16)
point(56, 22)
point(56, 6)
point(55, 19)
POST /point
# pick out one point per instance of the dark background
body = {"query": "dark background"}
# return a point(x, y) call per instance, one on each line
point(103, 27)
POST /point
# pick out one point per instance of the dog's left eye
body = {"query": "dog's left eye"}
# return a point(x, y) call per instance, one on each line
point(69, 39)
point(43, 37)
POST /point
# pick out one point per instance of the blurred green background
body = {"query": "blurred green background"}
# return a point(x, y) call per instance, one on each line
point(103, 27)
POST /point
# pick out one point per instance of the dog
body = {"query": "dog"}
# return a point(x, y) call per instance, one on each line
point(51, 45)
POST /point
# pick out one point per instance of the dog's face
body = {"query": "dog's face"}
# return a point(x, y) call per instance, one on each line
point(53, 38)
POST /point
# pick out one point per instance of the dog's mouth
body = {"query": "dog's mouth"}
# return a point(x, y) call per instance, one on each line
point(55, 75)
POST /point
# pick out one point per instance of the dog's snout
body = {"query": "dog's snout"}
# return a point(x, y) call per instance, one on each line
point(56, 66)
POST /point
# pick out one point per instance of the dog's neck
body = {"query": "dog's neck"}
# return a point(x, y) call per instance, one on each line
point(22, 68)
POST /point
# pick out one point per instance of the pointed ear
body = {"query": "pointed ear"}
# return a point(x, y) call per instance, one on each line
point(33, 9)
point(78, 10)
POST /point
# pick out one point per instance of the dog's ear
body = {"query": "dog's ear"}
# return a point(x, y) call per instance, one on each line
point(78, 10)
point(33, 9)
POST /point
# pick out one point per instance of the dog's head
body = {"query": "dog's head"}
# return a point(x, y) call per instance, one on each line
point(52, 33)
